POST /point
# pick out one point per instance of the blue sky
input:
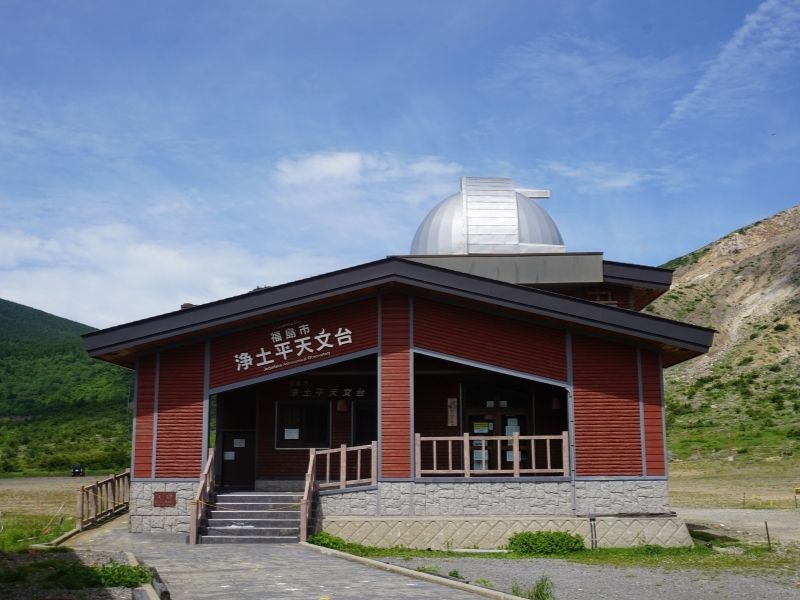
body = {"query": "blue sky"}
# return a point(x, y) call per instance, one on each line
point(153, 153)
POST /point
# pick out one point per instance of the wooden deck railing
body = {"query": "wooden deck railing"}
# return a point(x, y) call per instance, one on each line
point(103, 498)
point(453, 455)
point(205, 488)
point(306, 504)
point(344, 469)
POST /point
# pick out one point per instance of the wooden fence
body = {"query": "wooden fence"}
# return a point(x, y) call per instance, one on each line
point(338, 469)
point(474, 455)
point(102, 499)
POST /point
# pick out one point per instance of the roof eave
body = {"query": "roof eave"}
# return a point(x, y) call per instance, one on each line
point(101, 344)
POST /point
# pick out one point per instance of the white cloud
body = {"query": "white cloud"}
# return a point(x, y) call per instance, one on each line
point(107, 274)
point(335, 168)
point(746, 65)
point(592, 176)
point(563, 69)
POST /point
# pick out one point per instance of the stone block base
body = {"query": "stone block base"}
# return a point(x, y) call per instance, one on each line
point(498, 498)
point(493, 532)
point(146, 518)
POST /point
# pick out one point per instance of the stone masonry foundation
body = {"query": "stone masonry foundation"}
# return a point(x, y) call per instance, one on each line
point(592, 497)
point(146, 518)
point(484, 514)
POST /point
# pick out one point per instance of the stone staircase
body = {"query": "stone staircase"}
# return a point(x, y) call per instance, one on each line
point(253, 518)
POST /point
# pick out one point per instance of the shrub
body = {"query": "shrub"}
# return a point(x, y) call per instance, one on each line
point(781, 327)
point(326, 540)
point(545, 542)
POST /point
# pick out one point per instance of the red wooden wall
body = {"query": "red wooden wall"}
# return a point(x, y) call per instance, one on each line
point(179, 428)
point(395, 372)
point(605, 378)
point(145, 398)
point(606, 405)
point(653, 414)
point(490, 339)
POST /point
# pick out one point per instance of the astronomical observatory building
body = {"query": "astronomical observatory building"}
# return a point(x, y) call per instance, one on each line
point(488, 382)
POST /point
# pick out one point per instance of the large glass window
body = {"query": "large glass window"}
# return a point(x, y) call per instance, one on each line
point(303, 424)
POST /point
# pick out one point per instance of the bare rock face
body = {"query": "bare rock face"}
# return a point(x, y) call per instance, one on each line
point(747, 287)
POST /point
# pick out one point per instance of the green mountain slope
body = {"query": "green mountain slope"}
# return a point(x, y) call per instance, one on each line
point(747, 388)
point(57, 406)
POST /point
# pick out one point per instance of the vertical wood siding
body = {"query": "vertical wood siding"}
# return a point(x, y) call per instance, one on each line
point(653, 414)
point(490, 339)
point(395, 403)
point(359, 317)
point(145, 396)
point(179, 427)
point(606, 400)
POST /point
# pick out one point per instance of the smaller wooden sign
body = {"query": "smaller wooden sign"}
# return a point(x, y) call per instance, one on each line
point(164, 499)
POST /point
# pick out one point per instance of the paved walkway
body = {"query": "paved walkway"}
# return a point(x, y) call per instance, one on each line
point(258, 571)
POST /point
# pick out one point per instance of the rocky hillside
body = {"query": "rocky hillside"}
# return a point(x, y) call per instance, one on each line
point(747, 287)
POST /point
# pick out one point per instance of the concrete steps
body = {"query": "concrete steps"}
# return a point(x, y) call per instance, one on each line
point(253, 518)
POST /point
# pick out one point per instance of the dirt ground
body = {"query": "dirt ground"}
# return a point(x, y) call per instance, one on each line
point(762, 484)
point(746, 523)
point(40, 495)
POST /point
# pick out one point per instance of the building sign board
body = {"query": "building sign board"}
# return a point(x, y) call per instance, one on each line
point(293, 343)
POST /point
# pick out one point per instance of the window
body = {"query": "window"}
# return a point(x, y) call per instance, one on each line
point(303, 424)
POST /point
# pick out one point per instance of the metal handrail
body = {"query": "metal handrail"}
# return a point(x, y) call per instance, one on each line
point(205, 487)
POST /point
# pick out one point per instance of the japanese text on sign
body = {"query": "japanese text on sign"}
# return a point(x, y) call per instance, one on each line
point(290, 342)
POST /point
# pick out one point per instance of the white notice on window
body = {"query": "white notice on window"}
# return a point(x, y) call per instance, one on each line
point(238, 443)
point(291, 434)
point(229, 455)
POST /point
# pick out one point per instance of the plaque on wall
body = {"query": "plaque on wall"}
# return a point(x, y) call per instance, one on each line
point(452, 412)
point(291, 434)
point(229, 455)
point(164, 499)
point(238, 442)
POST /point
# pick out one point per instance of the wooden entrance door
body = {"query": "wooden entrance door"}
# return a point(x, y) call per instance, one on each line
point(238, 459)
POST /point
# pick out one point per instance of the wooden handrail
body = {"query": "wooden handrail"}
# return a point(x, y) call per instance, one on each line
point(205, 487)
point(491, 448)
point(308, 493)
point(343, 481)
point(104, 498)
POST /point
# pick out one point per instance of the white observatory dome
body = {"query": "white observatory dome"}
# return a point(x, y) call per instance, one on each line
point(488, 216)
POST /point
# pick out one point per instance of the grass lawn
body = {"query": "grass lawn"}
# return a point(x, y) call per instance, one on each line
point(19, 531)
point(25, 571)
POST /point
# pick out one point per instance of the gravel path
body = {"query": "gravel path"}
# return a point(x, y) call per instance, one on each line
point(572, 581)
